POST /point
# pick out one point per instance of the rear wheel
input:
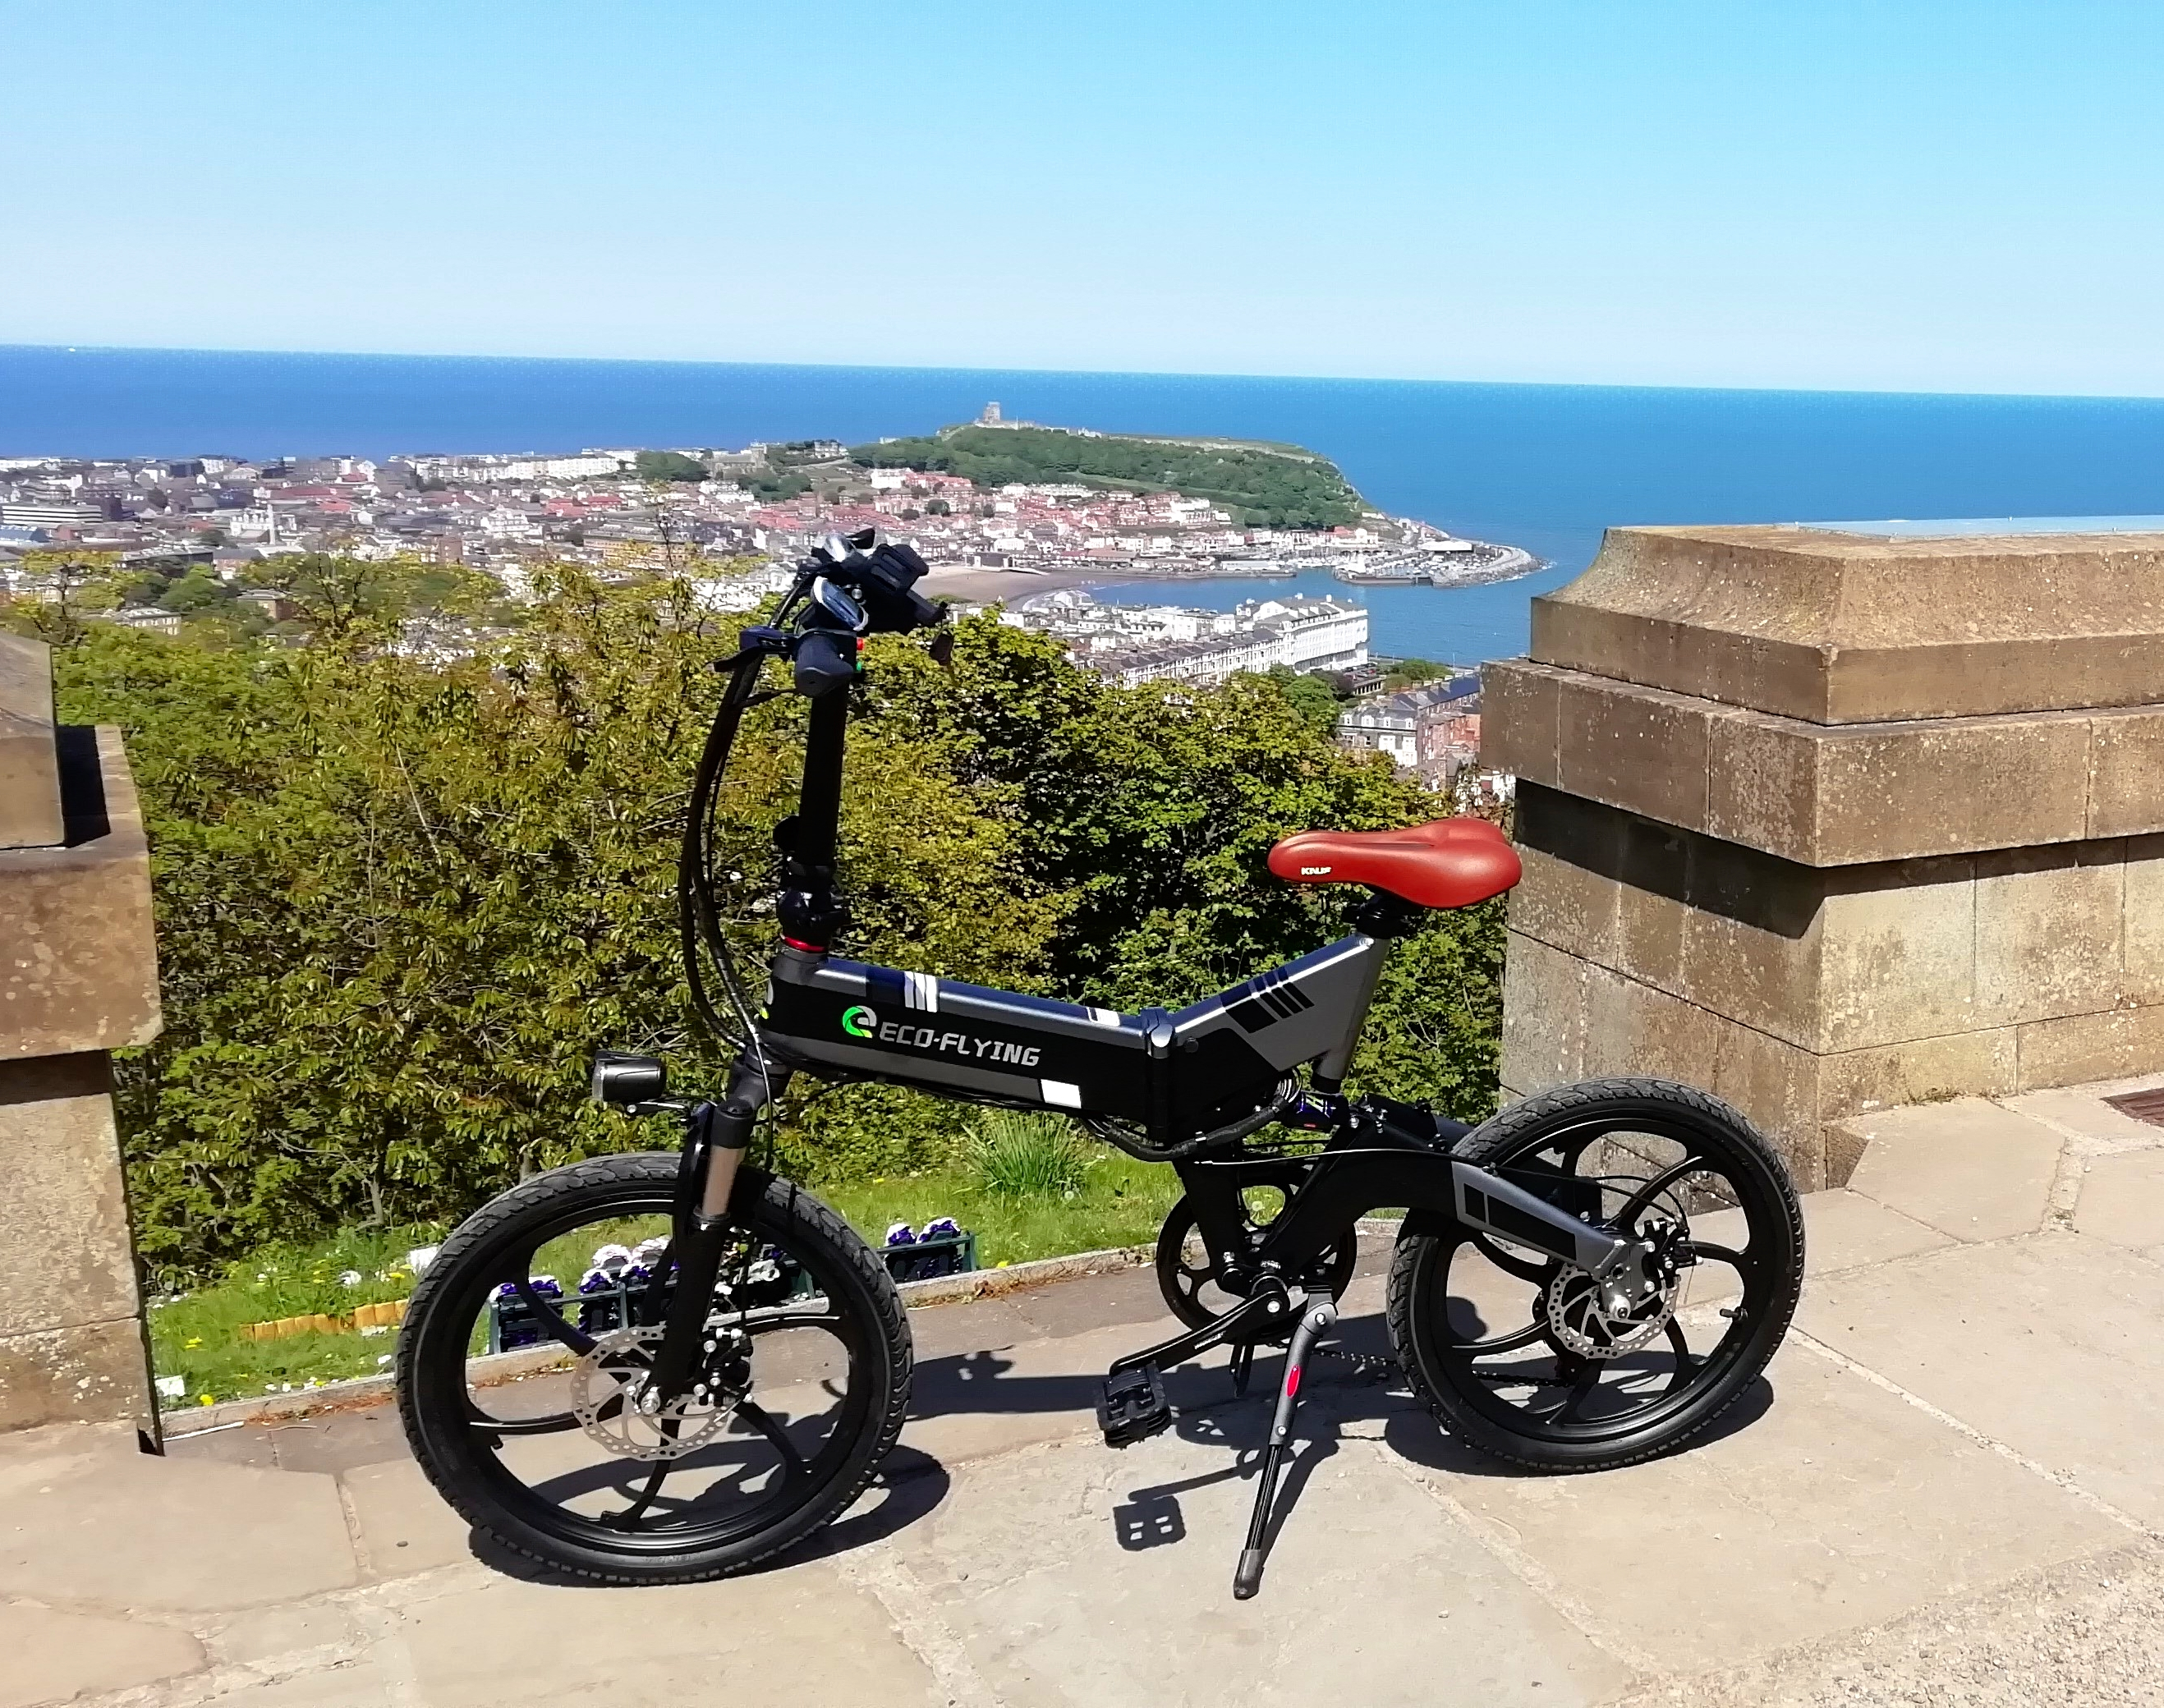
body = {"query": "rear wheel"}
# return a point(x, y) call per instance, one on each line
point(560, 1453)
point(1521, 1355)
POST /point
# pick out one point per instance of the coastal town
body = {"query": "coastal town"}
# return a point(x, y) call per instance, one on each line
point(199, 535)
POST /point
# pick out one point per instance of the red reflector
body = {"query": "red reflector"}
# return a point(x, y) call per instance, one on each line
point(1292, 1381)
point(816, 948)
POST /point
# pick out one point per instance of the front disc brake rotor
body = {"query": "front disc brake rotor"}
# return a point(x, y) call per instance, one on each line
point(610, 1399)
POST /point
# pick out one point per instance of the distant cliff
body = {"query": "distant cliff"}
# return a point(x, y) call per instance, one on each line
point(1260, 485)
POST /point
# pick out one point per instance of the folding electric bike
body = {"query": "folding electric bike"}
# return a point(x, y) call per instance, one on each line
point(739, 1360)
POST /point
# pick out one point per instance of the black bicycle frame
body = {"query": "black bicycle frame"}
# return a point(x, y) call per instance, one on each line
point(1195, 1081)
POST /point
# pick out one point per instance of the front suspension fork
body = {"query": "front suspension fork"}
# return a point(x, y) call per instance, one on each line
point(715, 1138)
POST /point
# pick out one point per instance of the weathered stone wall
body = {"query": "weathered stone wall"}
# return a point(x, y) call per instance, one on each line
point(1824, 822)
point(78, 979)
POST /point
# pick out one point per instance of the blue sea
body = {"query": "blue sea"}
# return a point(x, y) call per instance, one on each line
point(1545, 467)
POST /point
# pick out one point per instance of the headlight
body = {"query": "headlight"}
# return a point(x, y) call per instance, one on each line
point(624, 1080)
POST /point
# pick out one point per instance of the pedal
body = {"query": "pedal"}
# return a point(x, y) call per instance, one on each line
point(1133, 1407)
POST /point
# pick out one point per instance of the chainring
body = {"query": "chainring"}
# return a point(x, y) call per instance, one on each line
point(635, 1429)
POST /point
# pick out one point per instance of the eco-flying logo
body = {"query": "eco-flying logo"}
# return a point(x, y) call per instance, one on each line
point(859, 1021)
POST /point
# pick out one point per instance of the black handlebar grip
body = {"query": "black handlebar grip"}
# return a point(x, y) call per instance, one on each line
point(825, 660)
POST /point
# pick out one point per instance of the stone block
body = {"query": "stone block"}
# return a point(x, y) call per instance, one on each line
point(1518, 722)
point(1543, 1014)
point(1897, 955)
point(2125, 776)
point(1751, 945)
point(30, 815)
point(1920, 1070)
point(2047, 932)
point(65, 1253)
point(78, 963)
point(1897, 791)
point(2078, 1048)
point(1841, 628)
point(1567, 906)
point(2141, 926)
point(1632, 1028)
point(88, 1373)
point(1815, 794)
point(1636, 747)
point(1653, 881)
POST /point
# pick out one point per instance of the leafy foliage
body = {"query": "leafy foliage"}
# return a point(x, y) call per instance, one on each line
point(1258, 484)
point(668, 465)
point(401, 902)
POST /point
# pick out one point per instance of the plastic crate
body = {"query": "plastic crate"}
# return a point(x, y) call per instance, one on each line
point(951, 1254)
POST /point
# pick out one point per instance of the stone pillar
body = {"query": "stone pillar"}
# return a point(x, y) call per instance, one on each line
point(1825, 821)
point(78, 979)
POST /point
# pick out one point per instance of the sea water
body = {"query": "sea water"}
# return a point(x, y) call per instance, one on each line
point(1545, 467)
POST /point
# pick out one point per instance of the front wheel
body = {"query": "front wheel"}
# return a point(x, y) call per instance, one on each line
point(561, 1454)
point(1523, 1356)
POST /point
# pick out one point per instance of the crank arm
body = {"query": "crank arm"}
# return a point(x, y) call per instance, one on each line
point(1270, 1299)
point(1490, 1204)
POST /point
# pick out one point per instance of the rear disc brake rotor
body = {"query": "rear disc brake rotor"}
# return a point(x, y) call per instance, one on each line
point(1598, 1320)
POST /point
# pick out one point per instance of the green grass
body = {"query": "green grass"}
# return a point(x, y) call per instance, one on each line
point(198, 1335)
point(1026, 1188)
point(1117, 1201)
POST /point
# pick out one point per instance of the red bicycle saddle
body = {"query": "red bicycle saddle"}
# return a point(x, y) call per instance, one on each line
point(1450, 863)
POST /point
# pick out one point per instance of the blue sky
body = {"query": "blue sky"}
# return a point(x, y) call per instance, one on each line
point(1909, 197)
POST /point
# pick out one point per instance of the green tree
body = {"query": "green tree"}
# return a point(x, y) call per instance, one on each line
point(356, 601)
point(399, 904)
point(195, 591)
point(1277, 486)
point(668, 465)
point(70, 586)
point(1310, 695)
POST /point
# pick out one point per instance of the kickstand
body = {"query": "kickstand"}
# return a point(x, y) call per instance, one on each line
point(1321, 1314)
point(1243, 1366)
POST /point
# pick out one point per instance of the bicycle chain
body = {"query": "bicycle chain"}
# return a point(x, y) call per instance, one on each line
point(1368, 1363)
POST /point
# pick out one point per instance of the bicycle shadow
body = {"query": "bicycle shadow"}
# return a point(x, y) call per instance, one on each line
point(1340, 1394)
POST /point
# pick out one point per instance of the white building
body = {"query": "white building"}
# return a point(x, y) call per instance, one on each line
point(1313, 634)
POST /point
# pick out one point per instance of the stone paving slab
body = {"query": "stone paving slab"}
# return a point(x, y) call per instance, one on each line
point(1857, 1506)
point(1374, 1594)
point(2081, 1113)
point(50, 1655)
point(1970, 1168)
point(2052, 1344)
point(2122, 1199)
point(128, 1530)
point(1946, 1494)
point(2087, 1634)
point(805, 1636)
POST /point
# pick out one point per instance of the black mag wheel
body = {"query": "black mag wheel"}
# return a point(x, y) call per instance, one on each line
point(1520, 1355)
point(556, 1453)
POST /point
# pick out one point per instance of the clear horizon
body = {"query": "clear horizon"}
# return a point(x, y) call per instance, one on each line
point(1923, 197)
point(995, 372)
